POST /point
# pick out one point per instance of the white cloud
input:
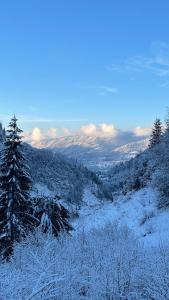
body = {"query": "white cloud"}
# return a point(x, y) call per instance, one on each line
point(88, 129)
point(100, 130)
point(37, 135)
point(65, 131)
point(52, 133)
point(142, 131)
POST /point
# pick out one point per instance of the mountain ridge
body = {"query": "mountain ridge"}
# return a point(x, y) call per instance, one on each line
point(97, 153)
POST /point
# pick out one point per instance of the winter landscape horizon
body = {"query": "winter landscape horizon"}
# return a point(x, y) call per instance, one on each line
point(84, 150)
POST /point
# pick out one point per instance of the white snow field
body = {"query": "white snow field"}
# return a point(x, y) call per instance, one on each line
point(137, 210)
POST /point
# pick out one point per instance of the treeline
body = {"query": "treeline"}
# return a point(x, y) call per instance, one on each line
point(19, 213)
point(150, 168)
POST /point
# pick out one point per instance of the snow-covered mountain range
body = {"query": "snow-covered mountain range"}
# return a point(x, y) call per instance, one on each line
point(95, 152)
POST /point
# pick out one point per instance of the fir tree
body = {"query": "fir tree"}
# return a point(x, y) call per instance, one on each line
point(156, 135)
point(167, 121)
point(53, 217)
point(166, 132)
point(16, 214)
point(2, 133)
point(161, 178)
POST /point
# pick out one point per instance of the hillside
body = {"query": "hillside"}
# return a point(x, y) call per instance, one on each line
point(130, 150)
point(94, 152)
point(136, 210)
point(52, 173)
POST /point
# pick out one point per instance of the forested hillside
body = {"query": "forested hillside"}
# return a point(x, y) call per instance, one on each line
point(63, 177)
point(150, 168)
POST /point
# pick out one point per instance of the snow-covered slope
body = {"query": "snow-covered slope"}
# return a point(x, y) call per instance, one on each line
point(130, 150)
point(95, 152)
point(136, 210)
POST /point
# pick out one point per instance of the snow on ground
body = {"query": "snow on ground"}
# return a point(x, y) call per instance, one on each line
point(136, 210)
point(41, 190)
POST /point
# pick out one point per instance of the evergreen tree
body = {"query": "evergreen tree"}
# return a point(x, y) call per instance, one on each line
point(53, 217)
point(161, 175)
point(166, 132)
point(167, 121)
point(16, 214)
point(156, 135)
point(2, 133)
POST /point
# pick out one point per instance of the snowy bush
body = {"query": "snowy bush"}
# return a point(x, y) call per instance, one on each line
point(103, 264)
point(147, 215)
point(98, 265)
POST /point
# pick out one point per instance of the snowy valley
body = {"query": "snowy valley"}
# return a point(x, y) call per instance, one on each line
point(96, 153)
point(84, 150)
point(94, 237)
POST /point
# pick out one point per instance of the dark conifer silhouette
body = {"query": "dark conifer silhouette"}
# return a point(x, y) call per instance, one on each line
point(16, 213)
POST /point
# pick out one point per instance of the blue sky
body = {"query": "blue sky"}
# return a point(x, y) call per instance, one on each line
point(71, 63)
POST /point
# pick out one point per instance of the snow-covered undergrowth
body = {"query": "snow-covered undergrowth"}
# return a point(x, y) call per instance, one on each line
point(108, 263)
point(118, 251)
point(137, 210)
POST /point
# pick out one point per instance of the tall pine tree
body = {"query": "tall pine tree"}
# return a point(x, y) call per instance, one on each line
point(156, 135)
point(161, 179)
point(16, 214)
point(166, 132)
point(2, 133)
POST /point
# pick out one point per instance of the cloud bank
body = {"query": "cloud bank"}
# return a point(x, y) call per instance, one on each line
point(101, 130)
point(40, 136)
point(140, 131)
